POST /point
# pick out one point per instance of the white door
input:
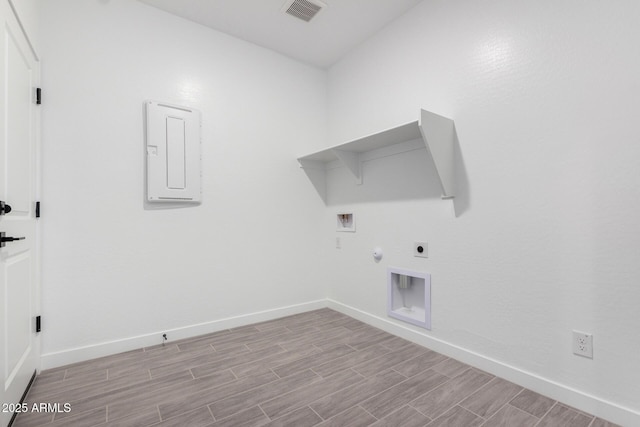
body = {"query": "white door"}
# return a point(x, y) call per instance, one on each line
point(19, 292)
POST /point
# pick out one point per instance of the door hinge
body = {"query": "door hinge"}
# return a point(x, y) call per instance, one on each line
point(37, 209)
point(38, 324)
point(38, 95)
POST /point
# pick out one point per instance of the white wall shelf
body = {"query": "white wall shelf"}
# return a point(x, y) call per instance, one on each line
point(437, 133)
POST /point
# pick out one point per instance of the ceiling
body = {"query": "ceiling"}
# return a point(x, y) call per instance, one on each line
point(334, 31)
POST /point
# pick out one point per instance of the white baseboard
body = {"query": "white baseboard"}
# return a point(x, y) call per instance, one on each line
point(79, 354)
point(575, 398)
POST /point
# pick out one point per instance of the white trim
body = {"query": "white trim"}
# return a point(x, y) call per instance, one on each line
point(24, 30)
point(578, 399)
point(567, 395)
point(79, 354)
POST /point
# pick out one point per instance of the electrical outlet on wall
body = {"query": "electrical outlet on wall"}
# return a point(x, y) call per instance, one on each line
point(420, 249)
point(583, 344)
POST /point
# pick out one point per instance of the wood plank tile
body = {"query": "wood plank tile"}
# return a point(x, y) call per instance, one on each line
point(156, 350)
point(598, 422)
point(231, 361)
point(328, 313)
point(252, 417)
point(396, 343)
point(124, 408)
point(271, 324)
point(86, 377)
point(533, 403)
point(102, 400)
point(404, 417)
point(50, 376)
point(337, 336)
point(180, 358)
point(389, 360)
point(457, 417)
point(486, 401)
point(245, 329)
point(272, 334)
point(90, 418)
point(307, 322)
point(312, 360)
point(263, 365)
point(302, 326)
point(349, 360)
point(347, 322)
point(289, 340)
point(70, 393)
point(375, 375)
point(77, 381)
point(187, 402)
point(451, 368)
point(288, 320)
point(399, 395)
point(561, 415)
point(386, 338)
point(142, 418)
point(509, 416)
point(196, 418)
point(107, 361)
point(170, 366)
point(303, 417)
point(224, 339)
point(233, 404)
point(33, 419)
point(313, 337)
point(354, 417)
point(289, 402)
point(420, 363)
point(201, 341)
point(363, 338)
point(444, 397)
point(342, 400)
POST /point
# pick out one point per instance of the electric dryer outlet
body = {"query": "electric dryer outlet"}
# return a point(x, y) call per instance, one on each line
point(420, 249)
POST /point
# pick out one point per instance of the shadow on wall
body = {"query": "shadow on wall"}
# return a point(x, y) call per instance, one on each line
point(462, 200)
point(407, 175)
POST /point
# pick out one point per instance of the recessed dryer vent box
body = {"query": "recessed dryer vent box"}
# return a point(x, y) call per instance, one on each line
point(173, 153)
point(346, 222)
point(409, 296)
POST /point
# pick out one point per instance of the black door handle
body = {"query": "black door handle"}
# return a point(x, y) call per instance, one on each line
point(4, 208)
point(4, 239)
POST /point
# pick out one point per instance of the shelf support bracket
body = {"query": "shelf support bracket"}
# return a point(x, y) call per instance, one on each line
point(315, 171)
point(352, 161)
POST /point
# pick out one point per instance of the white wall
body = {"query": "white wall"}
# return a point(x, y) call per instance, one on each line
point(113, 271)
point(27, 11)
point(545, 96)
point(544, 240)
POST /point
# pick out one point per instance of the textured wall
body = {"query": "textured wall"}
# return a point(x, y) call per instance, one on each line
point(542, 238)
point(545, 96)
point(113, 270)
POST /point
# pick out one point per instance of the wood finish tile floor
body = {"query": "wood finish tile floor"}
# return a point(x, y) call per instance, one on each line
point(320, 368)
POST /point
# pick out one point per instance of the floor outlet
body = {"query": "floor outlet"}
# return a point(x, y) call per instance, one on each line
point(583, 344)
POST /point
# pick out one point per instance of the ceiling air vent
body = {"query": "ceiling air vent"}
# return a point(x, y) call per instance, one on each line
point(303, 9)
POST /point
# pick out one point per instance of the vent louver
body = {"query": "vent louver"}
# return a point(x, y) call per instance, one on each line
point(303, 9)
